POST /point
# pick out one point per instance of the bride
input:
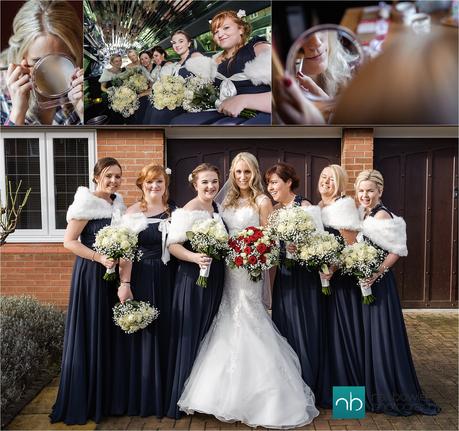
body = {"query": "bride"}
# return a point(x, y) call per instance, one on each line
point(245, 370)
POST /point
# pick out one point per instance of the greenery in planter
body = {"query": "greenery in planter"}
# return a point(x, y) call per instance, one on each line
point(31, 338)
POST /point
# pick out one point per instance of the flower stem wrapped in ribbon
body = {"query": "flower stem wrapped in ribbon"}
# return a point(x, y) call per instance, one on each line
point(134, 315)
point(292, 225)
point(209, 237)
point(116, 242)
point(321, 251)
point(253, 249)
point(362, 260)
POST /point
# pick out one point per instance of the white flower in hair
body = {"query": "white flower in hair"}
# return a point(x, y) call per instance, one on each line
point(168, 171)
point(190, 178)
point(241, 13)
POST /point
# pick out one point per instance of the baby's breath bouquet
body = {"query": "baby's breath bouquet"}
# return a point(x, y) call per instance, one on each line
point(208, 236)
point(200, 94)
point(116, 242)
point(362, 260)
point(292, 225)
point(134, 315)
point(137, 82)
point(320, 252)
point(168, 92)
point(123, 100)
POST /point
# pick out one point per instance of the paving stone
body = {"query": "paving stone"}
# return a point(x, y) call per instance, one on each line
point(41, 422)
point(42, 403)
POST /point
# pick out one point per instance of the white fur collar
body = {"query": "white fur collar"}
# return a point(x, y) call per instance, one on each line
point(341, 214)
point(182, 220)
point(389, 234)
point(314, 212)
point(258, 70)
point(167, 69)
point(202, 66)
point(136, 222)
point(87, 206)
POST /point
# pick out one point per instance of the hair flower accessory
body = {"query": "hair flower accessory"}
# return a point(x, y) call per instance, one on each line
point(241, 13)
point(190, 178)
point(168, 171)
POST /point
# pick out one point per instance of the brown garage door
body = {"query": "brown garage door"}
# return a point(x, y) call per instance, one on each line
point(421, 185)
point(309, 156)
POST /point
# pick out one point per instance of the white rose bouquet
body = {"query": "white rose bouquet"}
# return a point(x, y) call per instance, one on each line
point(209, 237)
point(362, 260)
point(292, 225)
point(134, 315)
point(133, 78)
point(116, 242)
point(200, 94)
point(320, 252)
point(168, 92)
point(123, 100)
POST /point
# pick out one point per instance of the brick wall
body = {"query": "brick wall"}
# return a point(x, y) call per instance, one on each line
point(44, 270)
point(356, 153)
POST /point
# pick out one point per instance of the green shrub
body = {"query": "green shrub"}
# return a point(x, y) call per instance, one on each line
point(31, 338)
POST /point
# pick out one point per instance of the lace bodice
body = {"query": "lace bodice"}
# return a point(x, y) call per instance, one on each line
point(237, 219)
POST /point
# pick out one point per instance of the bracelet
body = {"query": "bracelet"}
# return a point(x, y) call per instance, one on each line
point(384, 270)
point(125, 282)
point(93, 255)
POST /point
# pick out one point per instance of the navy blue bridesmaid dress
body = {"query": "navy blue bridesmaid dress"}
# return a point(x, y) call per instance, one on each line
point(85, 388)
point(345, 335)
point(193, 310)
point(228, 68)
point(141, 359)
point(391, 383)
point(298, 311)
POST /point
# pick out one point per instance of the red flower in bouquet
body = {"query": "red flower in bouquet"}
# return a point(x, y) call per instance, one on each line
point(238, 261)
point(262, 248)
point(247, 250)
point(252, 260)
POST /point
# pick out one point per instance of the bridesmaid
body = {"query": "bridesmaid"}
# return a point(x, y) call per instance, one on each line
point(193, 307)
point(133, 58)
point(85, 389)
point(298, 304)
point(182, 45)
point(143, 355)
point(391, 383)
point(344, 313)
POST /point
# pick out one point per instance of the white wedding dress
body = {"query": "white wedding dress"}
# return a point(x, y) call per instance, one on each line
point(245, 370)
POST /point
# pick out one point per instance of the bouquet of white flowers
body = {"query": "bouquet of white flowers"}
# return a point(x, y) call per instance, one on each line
point(116, 242)
point(123, 100)
point(292, 225)
point(362, 259)
point(320, 252)
point(200, 94)
point(209, 237)
point(134, 315)
point(168, 92)
point(137, 82)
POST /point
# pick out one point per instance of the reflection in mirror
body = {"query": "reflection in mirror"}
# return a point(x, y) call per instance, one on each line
point(324, 59)
point(52, 75)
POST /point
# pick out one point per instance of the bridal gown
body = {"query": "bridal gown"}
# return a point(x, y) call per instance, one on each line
point(245, 370)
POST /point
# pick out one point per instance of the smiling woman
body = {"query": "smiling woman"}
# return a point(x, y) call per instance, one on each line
point(41, 28)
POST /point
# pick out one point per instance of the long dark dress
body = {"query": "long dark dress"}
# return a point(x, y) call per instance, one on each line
point(164, 116)
point(345, 334)
point(193, 310)
point(228, 68)
point(85, 386)
point(391, 383)
point(298, 311)
point(140, 359)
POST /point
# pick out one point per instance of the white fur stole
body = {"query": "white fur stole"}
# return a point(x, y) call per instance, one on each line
point(87, 206)
point(202, 66)
point(341, 214)
point(136, 222)
point(389, 234)
point(314, 212)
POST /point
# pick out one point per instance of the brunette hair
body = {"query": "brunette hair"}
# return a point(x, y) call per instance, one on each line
point(188, 37)
point(146, 52)
point(148, 173)
point(285, 172)
point(193, 177)
point(103, 164)
point(217, 21)
point(159, 49)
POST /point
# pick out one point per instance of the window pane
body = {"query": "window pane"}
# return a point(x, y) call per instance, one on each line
point(70, 157)
point(22, 162)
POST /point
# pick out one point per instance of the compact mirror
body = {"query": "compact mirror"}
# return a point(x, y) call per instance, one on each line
point(52, 79)
point(324, 59)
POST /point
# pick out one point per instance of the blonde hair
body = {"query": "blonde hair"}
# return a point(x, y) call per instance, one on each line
point(339, 177)
point(42, 17)
point(370, 175)
point(255, 183)
point(217, 21)
point(148, 173)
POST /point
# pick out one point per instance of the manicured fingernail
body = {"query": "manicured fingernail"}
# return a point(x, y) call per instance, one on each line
point(287, 82)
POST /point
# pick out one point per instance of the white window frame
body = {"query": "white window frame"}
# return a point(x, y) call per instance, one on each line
point(48, 232)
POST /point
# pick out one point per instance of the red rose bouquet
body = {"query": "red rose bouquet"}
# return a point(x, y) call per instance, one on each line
point(254, 250)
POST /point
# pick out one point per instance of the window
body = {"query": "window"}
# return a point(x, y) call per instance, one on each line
point(53, 165)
